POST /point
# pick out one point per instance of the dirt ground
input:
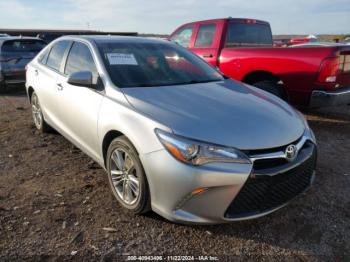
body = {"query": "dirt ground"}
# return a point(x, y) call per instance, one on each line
point(55, 204)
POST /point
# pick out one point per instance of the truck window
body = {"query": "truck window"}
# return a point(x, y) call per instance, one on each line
point(252, 34)
point(205, 36)
point(183, 36)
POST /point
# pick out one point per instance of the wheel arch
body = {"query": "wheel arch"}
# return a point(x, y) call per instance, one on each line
point(108, 138)
point(30, 92)
point(260, 75)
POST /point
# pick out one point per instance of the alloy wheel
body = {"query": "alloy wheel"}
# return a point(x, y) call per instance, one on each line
point(36, 112)
point(124, 176)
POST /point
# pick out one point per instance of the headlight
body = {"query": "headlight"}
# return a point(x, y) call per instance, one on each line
point(199, 153)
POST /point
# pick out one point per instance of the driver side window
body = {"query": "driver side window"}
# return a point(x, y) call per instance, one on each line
point(80, 59)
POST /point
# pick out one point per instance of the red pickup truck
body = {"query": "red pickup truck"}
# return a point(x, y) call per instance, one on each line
point(243, 49)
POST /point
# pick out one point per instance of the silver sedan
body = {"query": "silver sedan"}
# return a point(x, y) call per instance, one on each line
point(174, 135)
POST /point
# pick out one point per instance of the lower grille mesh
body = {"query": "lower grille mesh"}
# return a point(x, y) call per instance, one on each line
point(262, 193)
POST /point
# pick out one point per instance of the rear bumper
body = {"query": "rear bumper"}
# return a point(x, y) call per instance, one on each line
point(330, 98)
point(13, 77)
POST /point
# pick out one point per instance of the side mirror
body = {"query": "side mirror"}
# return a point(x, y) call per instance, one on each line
point(81, 78)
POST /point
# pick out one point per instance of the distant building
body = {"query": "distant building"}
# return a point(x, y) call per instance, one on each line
point(48, 34)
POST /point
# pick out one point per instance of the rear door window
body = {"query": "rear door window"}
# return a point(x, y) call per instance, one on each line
point(56, 55)
point(183, 36)
point(80, 59)
point(205, 36)
point(23, 46)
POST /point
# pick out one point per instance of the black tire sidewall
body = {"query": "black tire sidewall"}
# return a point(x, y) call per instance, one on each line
point(142, 205)
point(270, 87)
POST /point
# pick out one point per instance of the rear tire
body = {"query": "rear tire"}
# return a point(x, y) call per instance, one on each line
point(127, 177)
point(271, 87)
point(37, 114)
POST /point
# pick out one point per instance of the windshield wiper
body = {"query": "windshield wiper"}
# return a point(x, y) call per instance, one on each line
point(177, 83)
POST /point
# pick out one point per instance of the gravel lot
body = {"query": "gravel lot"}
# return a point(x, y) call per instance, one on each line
point(55, 203)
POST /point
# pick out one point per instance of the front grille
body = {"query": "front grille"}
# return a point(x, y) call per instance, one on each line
point(263, 193)
point(268, 163)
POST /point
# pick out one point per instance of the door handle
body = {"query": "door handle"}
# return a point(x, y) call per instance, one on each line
point(207, 55)
point(36, 72)
point(59, 86)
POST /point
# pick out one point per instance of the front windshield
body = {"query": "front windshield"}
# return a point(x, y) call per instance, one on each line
point(154, 64)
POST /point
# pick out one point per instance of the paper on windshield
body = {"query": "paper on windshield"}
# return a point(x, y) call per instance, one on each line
point(121, 59)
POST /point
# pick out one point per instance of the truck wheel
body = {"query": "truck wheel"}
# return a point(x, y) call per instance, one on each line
point(127, 177)
point(271, 87)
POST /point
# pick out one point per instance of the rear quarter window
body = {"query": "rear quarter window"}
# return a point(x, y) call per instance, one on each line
point(43, 56)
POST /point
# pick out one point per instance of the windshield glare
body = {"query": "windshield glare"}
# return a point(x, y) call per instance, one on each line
point(154, 64)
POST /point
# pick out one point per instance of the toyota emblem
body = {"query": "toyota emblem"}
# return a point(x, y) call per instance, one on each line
point(291, 152)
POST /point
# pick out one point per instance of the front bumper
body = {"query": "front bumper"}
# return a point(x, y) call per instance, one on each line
point(330, 98)
point(208, 194)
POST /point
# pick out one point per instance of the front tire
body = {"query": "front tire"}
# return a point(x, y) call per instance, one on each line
point(127, 177)
point(37, 114)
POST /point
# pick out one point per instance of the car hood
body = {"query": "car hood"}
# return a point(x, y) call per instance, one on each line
point(226, 113)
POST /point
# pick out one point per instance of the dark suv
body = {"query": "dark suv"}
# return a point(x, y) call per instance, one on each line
point(15, 53)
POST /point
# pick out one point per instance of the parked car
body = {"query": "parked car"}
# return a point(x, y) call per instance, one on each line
point(243, 49)
point(173, 134)
point(15, 53)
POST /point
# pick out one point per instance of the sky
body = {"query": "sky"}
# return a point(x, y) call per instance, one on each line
point(163, 16)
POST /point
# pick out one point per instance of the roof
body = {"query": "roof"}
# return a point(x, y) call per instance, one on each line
point(113, 38)
point(60, 31)
point(7, 38)
point(231, 19)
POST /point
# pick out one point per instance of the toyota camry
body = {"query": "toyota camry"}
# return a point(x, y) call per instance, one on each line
point(173, 133)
